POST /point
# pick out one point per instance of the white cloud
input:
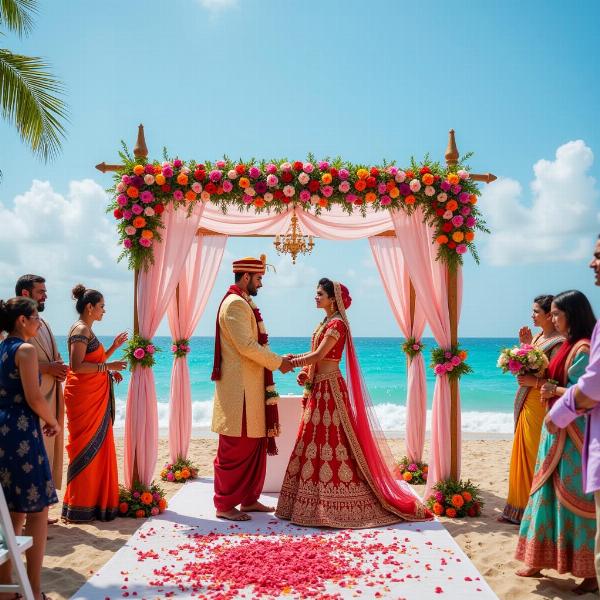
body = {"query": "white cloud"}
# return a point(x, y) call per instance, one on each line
point(215, 6)
point(562, 219)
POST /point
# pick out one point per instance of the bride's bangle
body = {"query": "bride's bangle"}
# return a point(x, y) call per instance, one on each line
point(299, 361)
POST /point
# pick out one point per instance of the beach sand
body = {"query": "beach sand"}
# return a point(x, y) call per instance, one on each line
point(75, 552)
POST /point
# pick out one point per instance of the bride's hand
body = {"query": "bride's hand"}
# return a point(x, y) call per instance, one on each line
point(289, 356)
point(302, 377)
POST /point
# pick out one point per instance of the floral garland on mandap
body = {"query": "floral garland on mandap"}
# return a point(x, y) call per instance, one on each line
point(140, 352)
point(447, 196)
point(180, 348)
point(450, 362)
point(412, 347)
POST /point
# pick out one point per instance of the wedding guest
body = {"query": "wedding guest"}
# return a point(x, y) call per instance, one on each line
point(559, 523)
point(92, 486)
point(529, 413)
point(53, 371)
point(584, 396)
point(24, 469)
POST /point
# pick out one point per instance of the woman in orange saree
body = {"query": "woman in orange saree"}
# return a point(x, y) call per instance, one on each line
point(92, 485)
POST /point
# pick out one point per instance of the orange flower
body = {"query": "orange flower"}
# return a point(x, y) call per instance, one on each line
point(204, 196)
point(438, 509)
point(133, 192)
point(138, 170)
point(140, 514)
point(185, 473)
point(139, 222)
point(244, 182)
point(362, 174)
point(427, 179)
point(458, 236)
point(322, 202)
point(147, 234)
point(451, 205)
point(162, 504)
point(425, 469)
point(390, 185)
point(453, 178)
point(160, 179)
point(190, 195)
point(123, 507)
point(326, 178)
point(473, 199)
point(467, 496)
point(457, 500)
point(450, 512)
point(394, 192)
point(441, 239)
point(360, 185)
point(259, 202)
point(409, 199)
point(470, 236)
point(370, 197)
point(146, 498)
point(407, 476)
point(157, 169)
point(182, 179)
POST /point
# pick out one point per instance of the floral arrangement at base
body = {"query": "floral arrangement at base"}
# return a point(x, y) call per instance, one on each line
point(141, 501)
point(522, 360)
point(451, 498)
point(179, 471)
point(412, 347)
point(450, 362)
point(180, 348)
point(140, 352)
point(414, 473)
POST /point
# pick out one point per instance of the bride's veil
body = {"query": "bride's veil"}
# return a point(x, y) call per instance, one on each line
point(370, 436)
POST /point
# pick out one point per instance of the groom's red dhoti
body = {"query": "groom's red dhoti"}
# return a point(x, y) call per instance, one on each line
point(240, 469)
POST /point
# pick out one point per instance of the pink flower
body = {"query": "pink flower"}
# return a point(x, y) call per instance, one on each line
point(136, 495)
point(448, 366)
point(178, 195)
point(327, 191)
point(439, 369)
point(392, 171)
point(303, 178)
point(400, 177)
point(323, 165)
point(514, 366)
point(145, 242)
point(314, 199)
point(285, 166)
point(247, 199)
point(272, 180)
point(122, 200)
point(465, 211)
point(308, 167)
point(121, 187)
point(136, 209)
point(382, 188)
point(442, 197)
point(146, 196)
point(173, 348)
point(429, 191)
point(254, 172)
point(448, 355)
point(150, 349)
point(385, 200)
point(458, 220)
point(167, 171)
point(220, 164)
point(127, 214)
point(461, 249)
point(344, 187)
point(232, 174)
point(463, 174)
point(464, 198)
point(288, 191)
point(139, 353)
point(351, 198)
point(416, 347)
point(149, 211)
point(343, 174)
point(196, 187)
point(182, 346)
point(415, 185)
point(412, 467)
point(227, 186)
point(215, 175)
point(149, 169)
point(455, 189)
point(268, 197)
point(439, 496)
point(130, 230)
point(455, 360)
point(154, 511)
point(127, 243)
point(271, 168)
point(156, 496)
point(177, 163)
point(148, 179)
point(448, 215)
point(170, 476)
point(305, 195)
point(471, 221)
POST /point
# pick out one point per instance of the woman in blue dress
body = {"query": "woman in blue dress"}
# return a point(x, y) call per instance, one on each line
point(24, 468)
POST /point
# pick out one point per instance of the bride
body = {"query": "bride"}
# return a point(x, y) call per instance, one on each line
point(340, 471)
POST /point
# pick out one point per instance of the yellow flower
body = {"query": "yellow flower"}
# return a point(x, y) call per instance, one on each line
point(326, 178)
point(160, 179)
point(138, 169)
point(362, 173)
point(453, 178)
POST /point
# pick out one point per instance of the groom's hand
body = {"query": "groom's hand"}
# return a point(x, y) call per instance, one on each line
point(286, 365)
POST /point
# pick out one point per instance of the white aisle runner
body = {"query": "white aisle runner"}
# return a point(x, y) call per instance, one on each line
point(173, 556)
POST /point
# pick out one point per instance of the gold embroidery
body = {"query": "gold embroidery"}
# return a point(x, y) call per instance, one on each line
point(325, 473)
point(294, 466)
point(326, 417)
point(299, 447)
point(311, 451)
point(345, 473)
point(334, 333)
point(326, 452)
point(316, 416)
point(307, 470)
point(336, 417)
point(341, 453)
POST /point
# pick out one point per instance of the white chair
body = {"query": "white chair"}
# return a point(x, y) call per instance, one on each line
point(11, 548)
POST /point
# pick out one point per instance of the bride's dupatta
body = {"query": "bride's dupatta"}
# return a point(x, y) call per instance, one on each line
point(371, 439)
point(558, 369)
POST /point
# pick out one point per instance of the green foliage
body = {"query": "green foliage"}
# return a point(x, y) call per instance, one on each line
point(140, 352)
point(446, 357)
point(414, 473)
point(141, 501)
point(412, 347)
point(179, 471)
point(455, 499)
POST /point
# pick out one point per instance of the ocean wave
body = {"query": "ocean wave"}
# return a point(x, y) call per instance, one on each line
point(391, 416)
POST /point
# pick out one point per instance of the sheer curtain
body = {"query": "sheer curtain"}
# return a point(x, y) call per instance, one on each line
point(396, 282)
point(185, 309)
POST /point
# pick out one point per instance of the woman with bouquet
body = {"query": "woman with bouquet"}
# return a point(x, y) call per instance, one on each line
point(559, 524)
point(529, 412)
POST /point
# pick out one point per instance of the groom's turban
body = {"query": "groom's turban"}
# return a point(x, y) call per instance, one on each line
point(250, 265)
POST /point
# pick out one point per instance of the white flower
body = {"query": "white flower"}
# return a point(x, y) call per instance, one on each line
point(400, 177)
point(415, 185)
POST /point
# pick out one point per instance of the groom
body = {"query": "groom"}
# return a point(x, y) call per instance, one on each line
point(242, 414)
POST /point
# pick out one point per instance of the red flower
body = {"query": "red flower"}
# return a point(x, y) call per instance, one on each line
point(333, 172)
point(371, 182)
point(434, 204)
point(240, 169)
point(118, 213)
point(409, 174)
point(219, 190)
point(425, 170)
point(287, 176)
point(452, 245)
point(165, 188)
point(298, 166)
point(199, 175)
point(374, 171)
point(314, 185)
point(159, 208)
point(211, 188)
point(447, 227)
point(439, 212)
point(278, 194)
point(201, 167)
point(359, 200)
point(436, 178)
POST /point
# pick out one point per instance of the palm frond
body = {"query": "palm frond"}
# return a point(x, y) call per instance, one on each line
point(17, 15)
point(29, 99)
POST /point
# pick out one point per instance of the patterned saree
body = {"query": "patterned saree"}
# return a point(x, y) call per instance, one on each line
point(92, 486)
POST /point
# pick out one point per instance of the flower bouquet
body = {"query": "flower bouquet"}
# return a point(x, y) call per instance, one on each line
point(452, 499)
point(140, 352)
point(414, 473)
point(179, 471)
point(181, 348)
point(450, 362)
point(412, 347)
point(523, 360)
point(141, 501)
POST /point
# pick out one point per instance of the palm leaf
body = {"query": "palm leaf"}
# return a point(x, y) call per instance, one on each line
point(17, 15)
point(29, 100)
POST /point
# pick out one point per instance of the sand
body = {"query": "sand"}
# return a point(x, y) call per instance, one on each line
point(75, 552)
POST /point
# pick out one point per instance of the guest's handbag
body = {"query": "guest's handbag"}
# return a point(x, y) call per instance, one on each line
point(111, 398)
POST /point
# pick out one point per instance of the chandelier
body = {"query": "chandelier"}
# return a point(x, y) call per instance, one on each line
point(293, 242)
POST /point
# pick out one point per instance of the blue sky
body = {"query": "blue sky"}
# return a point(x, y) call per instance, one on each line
point(517, 81)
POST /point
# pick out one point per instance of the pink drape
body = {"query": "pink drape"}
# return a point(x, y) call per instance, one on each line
point(156, 286)
point(430, 280)
point(185, 309)
point(396, 282)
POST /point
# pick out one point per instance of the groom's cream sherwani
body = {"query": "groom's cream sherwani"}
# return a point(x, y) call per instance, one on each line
point(52, 391)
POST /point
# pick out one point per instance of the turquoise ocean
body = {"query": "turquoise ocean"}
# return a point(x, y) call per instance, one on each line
point(486, 394)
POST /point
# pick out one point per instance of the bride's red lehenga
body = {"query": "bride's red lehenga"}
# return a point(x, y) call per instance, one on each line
point(340, 471)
